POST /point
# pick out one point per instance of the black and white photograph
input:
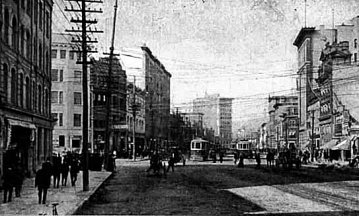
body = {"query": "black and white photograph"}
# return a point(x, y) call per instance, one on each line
point(179, 107)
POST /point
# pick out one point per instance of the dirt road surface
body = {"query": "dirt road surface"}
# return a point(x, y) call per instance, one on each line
point(205, 188)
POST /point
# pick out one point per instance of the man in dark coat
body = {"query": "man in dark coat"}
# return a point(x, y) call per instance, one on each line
point(171, 163)
point(56, 170)
point(8, 185)
point(64, 172)
point(19, 179)
point(42, 182)
point(75, 168)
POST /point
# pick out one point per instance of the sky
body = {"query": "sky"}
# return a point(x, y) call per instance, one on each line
point(237, 48)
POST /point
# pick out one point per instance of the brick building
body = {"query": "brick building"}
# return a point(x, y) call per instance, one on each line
point(25, 114)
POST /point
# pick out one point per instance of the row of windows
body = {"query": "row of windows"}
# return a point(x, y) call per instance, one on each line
point(18, 37)
point(60, 119)
point(57, 97)
point(22, 92)
point(63, 54)
point(57, 75)
point(76, 141)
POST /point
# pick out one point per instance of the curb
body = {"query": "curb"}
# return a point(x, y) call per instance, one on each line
point(87, 198)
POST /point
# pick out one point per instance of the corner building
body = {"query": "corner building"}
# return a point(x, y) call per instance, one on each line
point(25, 119)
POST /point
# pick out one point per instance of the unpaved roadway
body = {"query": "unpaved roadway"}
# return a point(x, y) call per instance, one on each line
point(223, 189)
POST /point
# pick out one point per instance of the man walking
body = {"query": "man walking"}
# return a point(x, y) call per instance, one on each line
point(42, 182)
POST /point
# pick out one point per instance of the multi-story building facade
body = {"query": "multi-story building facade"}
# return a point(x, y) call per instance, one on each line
point(117, 120)
point(153, 78)
point(309, 42)
point(217, 115)
point(135, 102)
point(25, 114)
point(67, 96)
point(282, 126)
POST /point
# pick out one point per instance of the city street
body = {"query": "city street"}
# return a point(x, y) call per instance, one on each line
point(205, 188)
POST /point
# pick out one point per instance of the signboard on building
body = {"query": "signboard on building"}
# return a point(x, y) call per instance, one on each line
point(325, 101)
point(119, 127)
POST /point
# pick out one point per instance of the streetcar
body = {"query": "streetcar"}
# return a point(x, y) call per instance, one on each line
point(199, 149)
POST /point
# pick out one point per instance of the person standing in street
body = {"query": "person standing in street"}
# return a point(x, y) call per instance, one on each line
point(56, 171)
point(42, 182)
point(18, 179)
point(221, 155)
point(64, 172)
point(74, 171)
point(171, 163)
point(8, 185)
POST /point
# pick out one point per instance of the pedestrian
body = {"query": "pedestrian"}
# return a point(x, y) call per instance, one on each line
point(8, 185)
point(42, 182)
point(258, 159)
point(74, 171)
point(64, 172)
point(236, 156)
point(56, 170)
point(18, 179)
point(241, 160)
point(171, 163)
point(221, 154)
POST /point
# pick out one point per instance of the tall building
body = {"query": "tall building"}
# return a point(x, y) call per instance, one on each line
point(309, 42)
point(99, 83)
point(67, 95)
point(153, 78)
point(25, 114)
point(217, 115)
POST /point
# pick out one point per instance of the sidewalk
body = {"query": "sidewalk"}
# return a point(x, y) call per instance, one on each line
point(69, 198)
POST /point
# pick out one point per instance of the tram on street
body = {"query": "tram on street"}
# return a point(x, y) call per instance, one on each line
point(199, 149)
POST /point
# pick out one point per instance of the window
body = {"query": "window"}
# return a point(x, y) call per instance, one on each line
point(355, 57)
point(72, 55)
point(62, 54)
point(61, 97)
point(53, 53)
point(34, 95)
point(54, 97)
point(40, 55)
point(61, 120)
point(28, 45)
point(62, 140)
point(14, 35)
point(21, 90)
point(40, 15)
point(22, 40)
point(61, 75)
point(77, 120)
point(7, 25)
point(40, 99)
point(54, 117)
point(13, 86)
point(77, 98)
point(28, 8)
point(355, 43)
point(77, 75)
point(76, 141)
point(28, 93)
point(5, 79)
point(54, 75)
point(47, 25)
point(35, 11)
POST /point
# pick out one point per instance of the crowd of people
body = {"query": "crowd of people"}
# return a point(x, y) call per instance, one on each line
point(58, 168)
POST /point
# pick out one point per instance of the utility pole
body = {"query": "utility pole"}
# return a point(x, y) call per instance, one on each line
point(85, 50)
point(109, 126)
point(312, 135)
point(134, 110)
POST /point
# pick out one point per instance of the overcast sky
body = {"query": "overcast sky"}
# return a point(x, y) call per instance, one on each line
point(237, 48)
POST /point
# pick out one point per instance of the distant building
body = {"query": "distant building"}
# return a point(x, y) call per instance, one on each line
point(153, 78)
point(99, 83)
point(283, 111)
point(218, 116)
point(67, 96)
point(25, 113)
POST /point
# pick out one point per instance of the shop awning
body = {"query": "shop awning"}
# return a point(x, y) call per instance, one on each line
point(329, 145)
point(343, 145)
point(13, 122)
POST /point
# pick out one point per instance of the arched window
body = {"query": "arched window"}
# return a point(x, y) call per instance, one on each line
point(13, 86)
point(28, 93)
point(46, 103)
point(34, 96)
point(21, 90)
point(39, 106)
point(14, 35)
point(28, 45)
point(355, 43)
point(5, 79)
point(22, 40)
point(6, 26)
point(40, 56)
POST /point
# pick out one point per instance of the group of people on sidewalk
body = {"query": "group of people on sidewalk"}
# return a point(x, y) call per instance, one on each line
point(60, 166)
point(156, 162)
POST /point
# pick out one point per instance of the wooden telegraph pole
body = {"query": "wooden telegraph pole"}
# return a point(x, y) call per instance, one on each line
point(85, 50)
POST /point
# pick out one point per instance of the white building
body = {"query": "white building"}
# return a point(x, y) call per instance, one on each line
point(66, 96)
